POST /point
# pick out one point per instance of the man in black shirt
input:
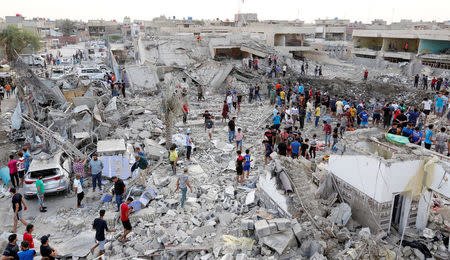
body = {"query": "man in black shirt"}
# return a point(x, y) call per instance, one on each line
point(231, 129)
point(240, 168)
point(11, 249)
point(100, 227)
point(17, 201)
point(304, 148)
point(401, 119)
point(207, 116)
point(46, 250)
point(268, 135)
point(282, 148)
point(120, 190)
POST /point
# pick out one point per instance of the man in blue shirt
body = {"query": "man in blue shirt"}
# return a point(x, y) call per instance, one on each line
point(26, 253)
point(428, 137)
point(364, 117)
point(277, 121)
point(407, 130)
point(27, 157)
point(95, 168)
point(416, 137)
point(439, 104)
point(295, 149)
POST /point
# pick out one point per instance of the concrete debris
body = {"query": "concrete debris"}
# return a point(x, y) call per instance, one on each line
point(282, 208)
point(341, 214)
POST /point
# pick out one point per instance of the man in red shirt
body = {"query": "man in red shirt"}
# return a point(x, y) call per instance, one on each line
point(125, 217)
point(185, 113)
point(27, 236)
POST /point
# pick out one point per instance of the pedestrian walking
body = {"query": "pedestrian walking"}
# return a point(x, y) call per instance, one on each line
point(143, 168)
point(173, 158)
point(100, 227)
point(183, 184)
point(21, 168)
point(210, 127)
point(12, 165)
point(125, 210)
point(225, 110)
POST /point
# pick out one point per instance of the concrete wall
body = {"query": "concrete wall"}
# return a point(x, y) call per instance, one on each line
point(378, 179)
point(430, 46)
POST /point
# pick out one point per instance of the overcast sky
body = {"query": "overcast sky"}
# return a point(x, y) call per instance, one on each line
point(355, 10)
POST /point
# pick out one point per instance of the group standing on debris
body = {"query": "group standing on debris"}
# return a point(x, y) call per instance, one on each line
point(293, 108)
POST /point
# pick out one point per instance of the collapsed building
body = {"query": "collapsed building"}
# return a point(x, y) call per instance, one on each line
point(361, 202)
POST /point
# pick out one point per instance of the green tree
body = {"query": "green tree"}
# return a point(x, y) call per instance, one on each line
point(14, 40)
point(67, 27)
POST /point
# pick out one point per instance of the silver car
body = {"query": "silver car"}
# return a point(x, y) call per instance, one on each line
point(55, 170)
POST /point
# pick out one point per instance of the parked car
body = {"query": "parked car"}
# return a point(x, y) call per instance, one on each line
point(55, 170)
point(90, 73)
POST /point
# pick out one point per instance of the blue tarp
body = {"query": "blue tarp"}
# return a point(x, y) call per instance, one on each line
point(4, 175)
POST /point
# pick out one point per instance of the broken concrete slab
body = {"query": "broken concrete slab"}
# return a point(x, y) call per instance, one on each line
point(341, 214)
point(153, 150)
point(262, 228)
point(280, 241)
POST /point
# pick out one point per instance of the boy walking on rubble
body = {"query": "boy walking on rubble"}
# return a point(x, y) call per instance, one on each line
point(100, 227)
point(183, 183)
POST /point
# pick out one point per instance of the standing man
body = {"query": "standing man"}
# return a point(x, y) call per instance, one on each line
point(95, 168)
point(366, 74)
point(284, 70)
point(416, 80)
point(47, 250)
point(185, 113)
point(257, 95)
point(428, 137)
point(364, 118)
point(327, 132)
point(125, 218)
point(188, 145)
point(21, 167)
point(100, 227)
point(78, 190)
point(11, 249)
point(27, 157)
point(40, 190)
point(183, 183)
point(17, 201)
point(119, 190)
point(231, 129)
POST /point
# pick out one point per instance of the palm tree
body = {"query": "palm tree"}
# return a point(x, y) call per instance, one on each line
point(14, 40)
